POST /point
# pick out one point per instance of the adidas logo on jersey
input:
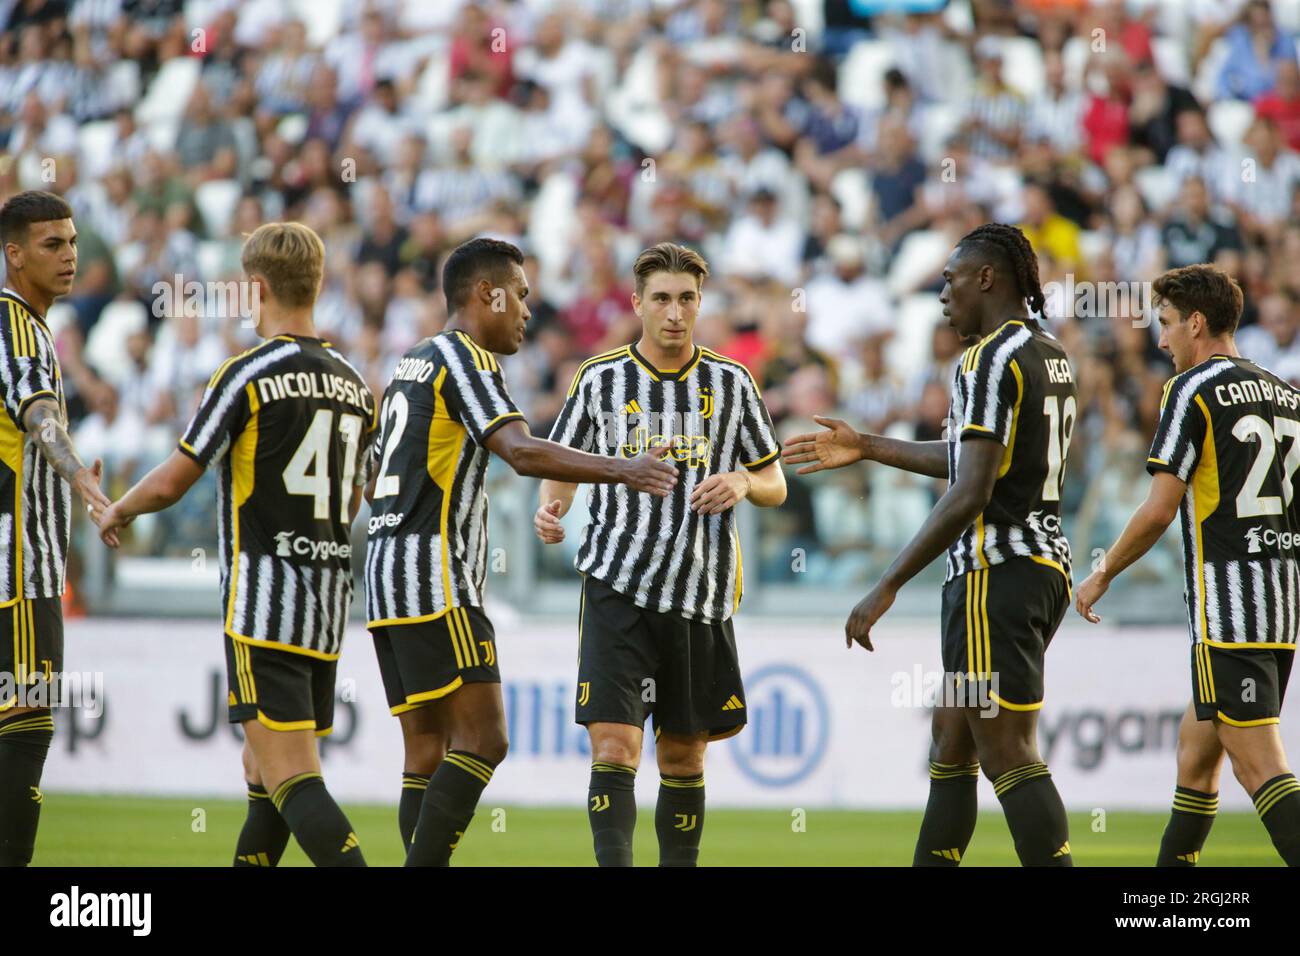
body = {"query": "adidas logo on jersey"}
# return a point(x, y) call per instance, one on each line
point(733, 703)
point(287, 546)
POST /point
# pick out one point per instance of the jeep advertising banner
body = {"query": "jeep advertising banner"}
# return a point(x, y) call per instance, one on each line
point(828, 727)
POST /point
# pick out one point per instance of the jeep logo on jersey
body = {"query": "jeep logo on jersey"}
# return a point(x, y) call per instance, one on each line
point(1047, 524)
point(1259, 537)
point(287, 546)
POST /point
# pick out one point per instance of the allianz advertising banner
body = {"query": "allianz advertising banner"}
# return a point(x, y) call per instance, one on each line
point(828, 727)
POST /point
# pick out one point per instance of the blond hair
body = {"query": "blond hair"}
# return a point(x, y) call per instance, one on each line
point(291, 257)
point(668, 257)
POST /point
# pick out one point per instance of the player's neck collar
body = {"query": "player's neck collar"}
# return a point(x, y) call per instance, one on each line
point(659, 373)
point(30, 308)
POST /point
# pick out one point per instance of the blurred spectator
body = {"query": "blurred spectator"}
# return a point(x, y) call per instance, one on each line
point(1255, 45)
point(763, 243)
point(1282, 103)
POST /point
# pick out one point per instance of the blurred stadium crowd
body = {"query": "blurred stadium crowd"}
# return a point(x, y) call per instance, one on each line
point(824, 155)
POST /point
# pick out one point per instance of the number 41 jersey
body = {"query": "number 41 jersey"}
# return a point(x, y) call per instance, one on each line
point(1231, 430)
point(291, 422)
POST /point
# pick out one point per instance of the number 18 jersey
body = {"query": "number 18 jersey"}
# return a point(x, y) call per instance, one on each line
point(1231, 430)
point(290, 423)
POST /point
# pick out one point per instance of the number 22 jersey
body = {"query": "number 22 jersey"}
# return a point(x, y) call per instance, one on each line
point(427, 549)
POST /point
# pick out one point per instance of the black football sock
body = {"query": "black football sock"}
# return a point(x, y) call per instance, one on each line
point(265, 834)
point(448, 807)
point(1189, 825)
point(1278, 804)
point(611, 811)
point(679, 819)
point(950, 814)
point(1035, 815)
point(408, 808)
point(317, 823)
point(24, 742)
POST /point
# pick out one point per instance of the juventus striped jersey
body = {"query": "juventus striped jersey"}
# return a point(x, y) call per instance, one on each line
point(35, 501)
point(427, 549)
point(1231, 430)
point(657, 551)
point(290, 422)
point(1015, 386)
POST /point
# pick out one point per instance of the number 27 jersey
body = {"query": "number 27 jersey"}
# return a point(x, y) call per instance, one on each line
point(1231, 430)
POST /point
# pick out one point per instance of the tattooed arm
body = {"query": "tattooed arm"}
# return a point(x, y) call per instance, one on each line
point(44, 422)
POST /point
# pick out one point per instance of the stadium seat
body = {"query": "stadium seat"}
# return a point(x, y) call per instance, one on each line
point(170, 91)
point(1022, 65)
point(209, 255)
point(1158, 186)
point(1171, 60)
point(852, 189)
point(1228, 121)
point(95, 142)
point(1074, 59)
point(162, 135)
point(920, 256)
point(941, 122)
point(1093, 244)
point(959, 17)
point(551, 221)
point(292, 128)
point(1208, 70)
point(908, 350)
point(106, 345)
point(862, 74)
point(216, 201)
point(60, 315)
point(809, 15)
point(321, 17)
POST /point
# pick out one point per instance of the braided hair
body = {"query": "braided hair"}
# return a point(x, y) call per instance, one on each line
point(1009, 244)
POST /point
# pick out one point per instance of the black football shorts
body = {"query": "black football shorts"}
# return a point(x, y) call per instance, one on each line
point(634, 663)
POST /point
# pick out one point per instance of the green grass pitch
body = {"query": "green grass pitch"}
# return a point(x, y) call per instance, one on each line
point(140, 831)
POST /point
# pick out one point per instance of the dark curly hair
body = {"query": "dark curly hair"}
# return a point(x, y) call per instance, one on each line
point(1007, 246)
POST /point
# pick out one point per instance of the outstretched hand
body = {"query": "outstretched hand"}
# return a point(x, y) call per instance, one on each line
point(835, 447)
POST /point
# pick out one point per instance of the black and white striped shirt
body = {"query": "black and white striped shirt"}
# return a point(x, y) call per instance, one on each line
point(35, 501)
point(657, 551)
point(1231, 430)
point(427, 550)
point(1015, 386)
point(291, 422)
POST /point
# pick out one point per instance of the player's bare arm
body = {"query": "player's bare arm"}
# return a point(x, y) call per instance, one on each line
point(44, 422)
point(1141, 533)
point(160, 489)
point(956, 510)
point(841, 445)
point(534, 457)
point(555, 499)
point(764, 488)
